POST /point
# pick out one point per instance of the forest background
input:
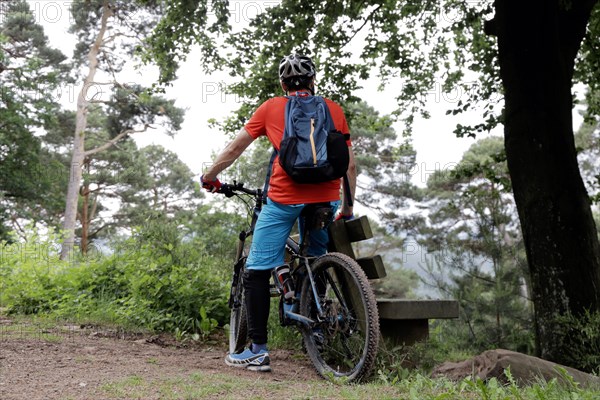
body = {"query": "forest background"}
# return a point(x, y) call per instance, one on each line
point(149, 250)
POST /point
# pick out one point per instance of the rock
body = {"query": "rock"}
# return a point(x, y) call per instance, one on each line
point(523, 368)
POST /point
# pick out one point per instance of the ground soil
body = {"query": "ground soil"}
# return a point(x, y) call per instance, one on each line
point(77, 362)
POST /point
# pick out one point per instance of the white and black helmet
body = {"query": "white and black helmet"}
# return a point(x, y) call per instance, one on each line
point(296, 65)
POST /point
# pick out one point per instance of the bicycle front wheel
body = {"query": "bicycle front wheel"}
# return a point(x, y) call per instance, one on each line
point(238, 323)
point(345, 339)
point(238, 326)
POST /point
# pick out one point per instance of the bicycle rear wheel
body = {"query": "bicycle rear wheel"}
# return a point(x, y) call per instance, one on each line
point(344, 343)
point(238, 323)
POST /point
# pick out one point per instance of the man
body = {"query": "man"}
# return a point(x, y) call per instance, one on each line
point(286, 199)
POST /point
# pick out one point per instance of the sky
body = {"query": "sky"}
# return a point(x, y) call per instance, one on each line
point(202, 97)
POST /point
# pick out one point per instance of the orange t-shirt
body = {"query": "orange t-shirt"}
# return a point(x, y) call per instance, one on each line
point(269, 120)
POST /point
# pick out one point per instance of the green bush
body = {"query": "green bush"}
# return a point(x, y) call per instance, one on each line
point(157, 279)
point(581, 335)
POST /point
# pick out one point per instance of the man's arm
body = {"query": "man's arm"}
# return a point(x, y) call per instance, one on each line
point(229, 154)
point(346, 208)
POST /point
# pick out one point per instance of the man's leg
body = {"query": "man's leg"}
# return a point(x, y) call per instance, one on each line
point(258, 300)
point(266, 252)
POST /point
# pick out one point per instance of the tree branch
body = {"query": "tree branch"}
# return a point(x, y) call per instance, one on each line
point(105, 83)
point(119, 34)
point(363, 24)
point(94, 234)
point(115, 140)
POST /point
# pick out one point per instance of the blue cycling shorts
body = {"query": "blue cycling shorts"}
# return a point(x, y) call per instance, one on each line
point(274, 224)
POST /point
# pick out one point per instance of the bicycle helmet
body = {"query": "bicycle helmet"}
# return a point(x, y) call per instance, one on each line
point(296, 65)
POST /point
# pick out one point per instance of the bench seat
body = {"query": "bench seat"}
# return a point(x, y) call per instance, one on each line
point(407, 321)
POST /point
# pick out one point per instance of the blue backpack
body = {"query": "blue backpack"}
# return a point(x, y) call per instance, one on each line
point(312, 150)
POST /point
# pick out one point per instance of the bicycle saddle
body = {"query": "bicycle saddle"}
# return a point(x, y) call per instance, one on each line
point(317, 215)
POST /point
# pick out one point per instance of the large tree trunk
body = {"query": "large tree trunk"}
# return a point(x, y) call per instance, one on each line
point(79, 139)
point(538, 41)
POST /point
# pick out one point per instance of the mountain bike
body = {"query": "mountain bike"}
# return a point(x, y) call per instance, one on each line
point(333, 305)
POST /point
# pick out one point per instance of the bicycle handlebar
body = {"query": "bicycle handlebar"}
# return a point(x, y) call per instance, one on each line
point(230, 190)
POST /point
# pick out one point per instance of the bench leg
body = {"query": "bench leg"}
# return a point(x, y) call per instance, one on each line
point(404, 331)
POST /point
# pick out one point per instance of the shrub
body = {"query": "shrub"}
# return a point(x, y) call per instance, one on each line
point(582, 333)
point(158, 279)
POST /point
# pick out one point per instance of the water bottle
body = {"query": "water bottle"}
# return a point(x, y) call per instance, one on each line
point(284, 279)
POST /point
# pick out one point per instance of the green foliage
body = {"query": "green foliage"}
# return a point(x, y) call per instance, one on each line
point(160, 183)
point(417, 386)
point(177, 34)
point(399, 362)
point(107, 33)
point(158, 279)
point(382, 34)
point(583, 335)
point(384, 165)
point(399, 281)
point(398, 284)
point(588, 65)
point(132, 21)
point(132, 106)
point(252, 167)
point(477, 254)
point(137, 181)
point(29, 71)
point(217, 230)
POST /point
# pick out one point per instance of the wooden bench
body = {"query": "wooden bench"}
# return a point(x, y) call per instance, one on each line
point(407, 321)
point(343, 233)
point(401, 321)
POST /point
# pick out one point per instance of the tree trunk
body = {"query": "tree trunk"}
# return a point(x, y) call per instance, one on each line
point(79, 139)
point(85, 219)
point(538, 41)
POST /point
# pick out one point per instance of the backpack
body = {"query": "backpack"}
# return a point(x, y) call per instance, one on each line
point(312, 150)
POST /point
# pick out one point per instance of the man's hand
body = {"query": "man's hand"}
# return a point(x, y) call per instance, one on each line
point(345, 217)
point(210, 186)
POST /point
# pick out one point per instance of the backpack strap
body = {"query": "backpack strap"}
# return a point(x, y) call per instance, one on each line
point(347, 190)
point(327, 114)
point(275, 152)
point(268, 177)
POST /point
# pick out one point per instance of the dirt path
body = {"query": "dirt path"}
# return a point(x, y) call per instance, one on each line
point(71, 362)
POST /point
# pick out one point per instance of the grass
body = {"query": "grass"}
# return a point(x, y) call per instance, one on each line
point(206, 385)
point(37, 331)
point(132, 386)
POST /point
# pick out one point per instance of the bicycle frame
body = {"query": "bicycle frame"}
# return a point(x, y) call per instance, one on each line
point(292, 247)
